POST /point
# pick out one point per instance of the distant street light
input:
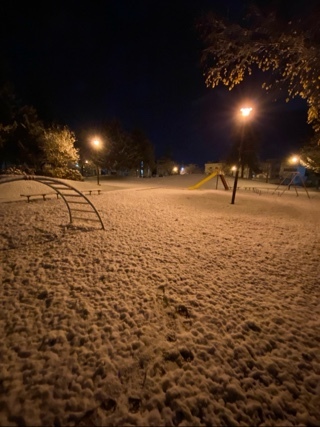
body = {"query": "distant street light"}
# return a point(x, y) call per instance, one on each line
point(97, 145)
point(245, 112)
point(175, 169)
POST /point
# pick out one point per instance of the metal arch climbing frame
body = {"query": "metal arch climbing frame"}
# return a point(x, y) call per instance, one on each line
point(68, 193)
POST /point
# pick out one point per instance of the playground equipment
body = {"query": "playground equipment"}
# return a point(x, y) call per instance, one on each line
point(207, 178)
point(290, 181)
point(79, 207)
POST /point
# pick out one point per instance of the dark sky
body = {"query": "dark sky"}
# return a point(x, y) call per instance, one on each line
point(79, 63)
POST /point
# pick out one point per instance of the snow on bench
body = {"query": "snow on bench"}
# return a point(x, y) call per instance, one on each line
point(37, 195)
point(97, 190)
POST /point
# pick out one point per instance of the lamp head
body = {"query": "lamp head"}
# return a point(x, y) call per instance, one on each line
point(245, 111)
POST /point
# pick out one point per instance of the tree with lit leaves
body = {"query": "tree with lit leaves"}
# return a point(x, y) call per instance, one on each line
point(27, 144)
point(285, 47)
point(310, 156)
point(57, 145)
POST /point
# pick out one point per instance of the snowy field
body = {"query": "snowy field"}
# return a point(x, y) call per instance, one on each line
point(185, 311)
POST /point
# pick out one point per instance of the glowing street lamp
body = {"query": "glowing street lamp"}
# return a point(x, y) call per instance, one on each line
point(245, 112)
point(175, 169)
point(96, 143)
point(294, 160)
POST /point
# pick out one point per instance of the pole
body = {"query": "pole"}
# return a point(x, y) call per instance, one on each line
point(245, 113)
point(98, 183)
point(237, 171)
point(235, 186)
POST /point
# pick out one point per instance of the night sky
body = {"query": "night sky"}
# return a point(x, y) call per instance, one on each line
point(81, 63)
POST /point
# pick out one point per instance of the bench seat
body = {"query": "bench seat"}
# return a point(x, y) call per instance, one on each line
point(37, 195)
point(92, 191)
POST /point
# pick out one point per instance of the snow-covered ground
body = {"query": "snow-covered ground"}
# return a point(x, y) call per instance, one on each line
point(186, 310)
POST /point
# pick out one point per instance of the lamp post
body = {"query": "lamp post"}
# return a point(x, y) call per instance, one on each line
point(245, 113)
point(97, 144)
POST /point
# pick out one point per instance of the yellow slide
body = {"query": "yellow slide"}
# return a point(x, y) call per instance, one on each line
point(206, 179)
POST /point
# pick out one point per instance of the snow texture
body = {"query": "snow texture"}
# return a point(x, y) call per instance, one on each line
point(185, 311)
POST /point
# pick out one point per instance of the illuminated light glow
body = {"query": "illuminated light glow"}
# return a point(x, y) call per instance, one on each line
point(97, 145)
point(234, 168)
point(246, 111)
point(175, 169)
point(294, 159)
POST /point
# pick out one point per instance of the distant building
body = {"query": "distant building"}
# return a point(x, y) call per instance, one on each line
point(213, 167)
point(270, 170)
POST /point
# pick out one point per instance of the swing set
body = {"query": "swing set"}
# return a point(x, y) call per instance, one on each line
point(292, 177)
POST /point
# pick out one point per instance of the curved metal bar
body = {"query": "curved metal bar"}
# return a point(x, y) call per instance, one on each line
point(48, 181)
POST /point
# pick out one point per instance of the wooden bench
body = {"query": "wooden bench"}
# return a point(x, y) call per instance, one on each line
point(37, 195)
point(94, 190)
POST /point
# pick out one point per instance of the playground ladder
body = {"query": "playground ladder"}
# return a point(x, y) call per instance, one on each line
point(80, 208)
